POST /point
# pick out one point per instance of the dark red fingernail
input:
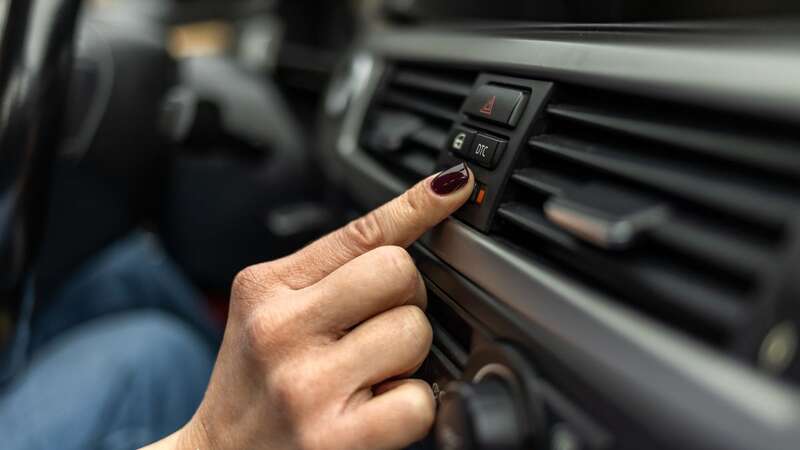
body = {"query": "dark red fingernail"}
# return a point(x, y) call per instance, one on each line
point(451, 179)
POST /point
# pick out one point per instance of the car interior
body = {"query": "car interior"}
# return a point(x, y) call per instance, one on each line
point(626, 273)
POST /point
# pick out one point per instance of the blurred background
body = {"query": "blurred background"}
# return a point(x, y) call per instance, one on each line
point(194, 121)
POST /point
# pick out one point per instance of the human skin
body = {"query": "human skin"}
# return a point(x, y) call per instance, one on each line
point(319, 345)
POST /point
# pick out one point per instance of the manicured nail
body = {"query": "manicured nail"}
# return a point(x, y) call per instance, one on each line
point(451, 179)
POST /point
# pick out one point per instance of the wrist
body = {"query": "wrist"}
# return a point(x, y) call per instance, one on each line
point(191, 437)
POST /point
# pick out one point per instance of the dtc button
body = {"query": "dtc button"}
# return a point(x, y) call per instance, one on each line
point(486, 150)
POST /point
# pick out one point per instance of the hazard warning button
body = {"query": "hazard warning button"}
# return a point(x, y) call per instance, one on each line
point(497, 104)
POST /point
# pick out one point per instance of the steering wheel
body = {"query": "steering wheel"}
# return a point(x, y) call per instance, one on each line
point(36, 56)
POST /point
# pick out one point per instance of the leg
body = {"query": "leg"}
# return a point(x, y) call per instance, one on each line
point(134, 273)
point(113, 383)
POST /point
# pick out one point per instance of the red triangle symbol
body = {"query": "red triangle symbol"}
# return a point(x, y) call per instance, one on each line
point(488, 107)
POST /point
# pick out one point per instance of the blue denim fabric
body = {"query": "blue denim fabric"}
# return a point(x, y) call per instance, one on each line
point(132, 274)
point(119, 359)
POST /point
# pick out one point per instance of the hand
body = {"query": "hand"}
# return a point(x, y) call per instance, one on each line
point(319, 344)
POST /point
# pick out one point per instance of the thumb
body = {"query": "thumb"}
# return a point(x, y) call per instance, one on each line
point(398, 222)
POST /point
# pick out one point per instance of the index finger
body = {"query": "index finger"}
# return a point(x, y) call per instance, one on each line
point(399, 222)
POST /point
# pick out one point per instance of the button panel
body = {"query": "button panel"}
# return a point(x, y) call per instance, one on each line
point(493, 139)
point(496, 104)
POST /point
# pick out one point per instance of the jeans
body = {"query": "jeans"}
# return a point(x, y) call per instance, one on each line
point(120, 358)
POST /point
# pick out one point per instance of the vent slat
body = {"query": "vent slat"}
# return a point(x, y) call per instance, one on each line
point(423, 102)
point(542, 180)
point(701, 301)
point(430, 137)
point(759, 151)
point(421, 106)
point(531, 221)
point(713, 246)
point(665, 285)
point(419, 163)
point(732, 196)
point(431, 83)
point(726, 184)
point(706, 242)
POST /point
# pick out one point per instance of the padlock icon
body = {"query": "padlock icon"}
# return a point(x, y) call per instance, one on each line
point(458, 141)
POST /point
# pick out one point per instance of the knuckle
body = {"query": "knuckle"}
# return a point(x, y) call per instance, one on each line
point(264, 332)
point(417, 199)
point(259, 333)
point(248, 283)
point(365, 232)
point(421, 406)
point(402, 270)
point(415, 326)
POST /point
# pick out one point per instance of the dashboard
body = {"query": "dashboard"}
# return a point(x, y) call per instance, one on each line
point(625, 275)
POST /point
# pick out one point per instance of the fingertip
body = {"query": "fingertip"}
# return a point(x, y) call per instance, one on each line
point(403, 413)
point(450, 181)
point(417, 398)
point(422, 403)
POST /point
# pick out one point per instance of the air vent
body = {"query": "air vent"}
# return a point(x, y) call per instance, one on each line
point(678, 210)
point(411, 115)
